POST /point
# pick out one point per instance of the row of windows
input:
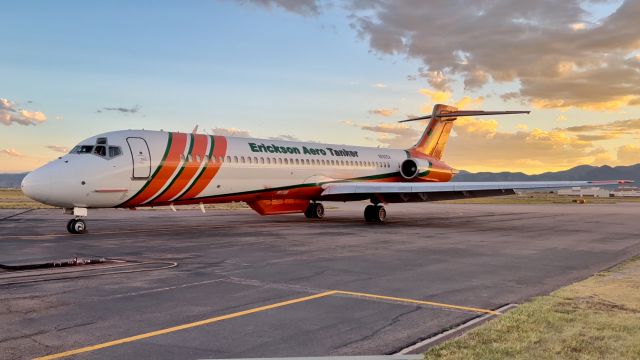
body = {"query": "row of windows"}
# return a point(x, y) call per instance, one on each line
point(288, 161)
point(99, 150)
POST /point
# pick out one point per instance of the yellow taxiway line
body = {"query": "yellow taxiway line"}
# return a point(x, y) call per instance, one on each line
point(184, 326)
point(421, 302)
point(255, 310)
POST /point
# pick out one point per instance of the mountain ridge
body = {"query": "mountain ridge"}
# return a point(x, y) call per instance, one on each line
point(580, 172)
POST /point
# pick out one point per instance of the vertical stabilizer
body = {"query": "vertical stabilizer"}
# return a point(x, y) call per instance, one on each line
point(435, 136)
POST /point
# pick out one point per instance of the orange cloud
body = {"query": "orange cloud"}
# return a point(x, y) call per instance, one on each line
point(383, 112)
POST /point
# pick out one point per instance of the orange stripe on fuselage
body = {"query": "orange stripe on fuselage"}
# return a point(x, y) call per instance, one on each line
point(190, 169)
point(168, 168)
point(220, 150)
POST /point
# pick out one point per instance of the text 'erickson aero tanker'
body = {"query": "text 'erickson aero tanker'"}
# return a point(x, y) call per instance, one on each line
point(134, 168)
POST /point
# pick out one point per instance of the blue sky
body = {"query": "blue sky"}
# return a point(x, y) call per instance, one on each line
point(220, 64)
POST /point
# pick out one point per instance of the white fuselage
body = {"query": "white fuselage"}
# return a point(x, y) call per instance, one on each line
point(230, 166)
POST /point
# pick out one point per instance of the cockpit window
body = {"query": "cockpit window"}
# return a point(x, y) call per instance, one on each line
point(101, 141)
point(100, 150)
point(114, 151)
point(82, 149)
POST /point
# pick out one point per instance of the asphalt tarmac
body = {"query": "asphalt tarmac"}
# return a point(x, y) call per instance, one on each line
point(230, 284)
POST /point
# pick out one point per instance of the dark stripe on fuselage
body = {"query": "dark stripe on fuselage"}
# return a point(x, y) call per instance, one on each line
point(202, 171)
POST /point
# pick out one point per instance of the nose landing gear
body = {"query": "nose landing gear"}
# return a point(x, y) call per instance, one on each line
point(76, 225)
point(375, 214)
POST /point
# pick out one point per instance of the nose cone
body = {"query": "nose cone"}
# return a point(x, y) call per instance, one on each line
point(37, 185)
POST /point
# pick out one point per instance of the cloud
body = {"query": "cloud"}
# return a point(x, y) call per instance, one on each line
point(11, 153)
point(383, 112)
point(231, 132)
point(629, 154)
point(439, 97)
point(466, 102)
point(436, 96)
point(10, 113)
point(561, 118)
point(283, 137)
point(545, 47)
point(620, 127)
point(379, 85)
point(57, 148)
point(301, 7)
point(480, 145)
point(123, 110)
point(393, 135)
point(578, 26)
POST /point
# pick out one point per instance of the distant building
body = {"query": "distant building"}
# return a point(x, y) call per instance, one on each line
point(592, 191)
point(626, 191)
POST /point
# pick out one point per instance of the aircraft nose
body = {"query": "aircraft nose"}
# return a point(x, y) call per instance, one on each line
point(37, 185)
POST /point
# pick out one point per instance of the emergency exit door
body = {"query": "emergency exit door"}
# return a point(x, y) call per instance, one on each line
point(141, 158)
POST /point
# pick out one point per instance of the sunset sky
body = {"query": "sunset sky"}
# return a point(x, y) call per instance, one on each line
point(328, 71)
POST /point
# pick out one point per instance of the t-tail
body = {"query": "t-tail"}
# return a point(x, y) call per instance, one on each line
point(435, 136)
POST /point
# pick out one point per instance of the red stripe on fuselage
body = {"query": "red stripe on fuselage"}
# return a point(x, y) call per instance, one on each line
point(190, 169)
point(168, 168)
point(219, 150)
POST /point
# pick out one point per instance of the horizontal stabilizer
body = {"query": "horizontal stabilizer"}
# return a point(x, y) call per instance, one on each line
point(465, 113)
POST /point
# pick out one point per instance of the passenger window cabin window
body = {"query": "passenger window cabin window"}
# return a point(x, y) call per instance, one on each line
point(235, 159)
point(248, 159)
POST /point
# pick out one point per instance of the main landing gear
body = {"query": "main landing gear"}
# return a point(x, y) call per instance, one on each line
point(375, 214)
point(77, 225)
point(314, 211)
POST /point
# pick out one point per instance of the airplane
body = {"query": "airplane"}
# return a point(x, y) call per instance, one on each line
point(142, 168)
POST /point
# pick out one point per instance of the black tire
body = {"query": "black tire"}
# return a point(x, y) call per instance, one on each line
point(70, 226)
point(310, 211)
point(79, 226)
point(319, 211)
point(368, 213)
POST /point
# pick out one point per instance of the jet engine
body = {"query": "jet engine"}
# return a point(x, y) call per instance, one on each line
point(411, 168)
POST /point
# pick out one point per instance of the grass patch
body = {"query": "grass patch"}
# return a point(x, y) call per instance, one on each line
point(15, 199)
point(598, 318)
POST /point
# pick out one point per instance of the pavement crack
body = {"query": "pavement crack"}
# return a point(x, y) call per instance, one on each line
point(390, 323)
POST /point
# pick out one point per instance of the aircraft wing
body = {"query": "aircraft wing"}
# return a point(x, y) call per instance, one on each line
point(433, 191)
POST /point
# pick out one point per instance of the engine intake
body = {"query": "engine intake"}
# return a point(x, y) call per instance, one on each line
point(411, 168)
